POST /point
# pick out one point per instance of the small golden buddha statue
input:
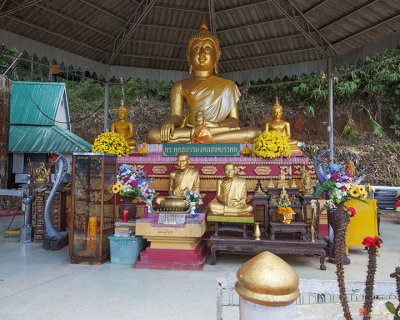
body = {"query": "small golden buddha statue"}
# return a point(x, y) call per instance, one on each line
point(201, 133)
point(307, 183)
point(41, 174)
point(282, 182)
point(216, 97)
point(284, 198)
point(124, 128)
point(182, 179)
point(231, 195)
point(282, 126)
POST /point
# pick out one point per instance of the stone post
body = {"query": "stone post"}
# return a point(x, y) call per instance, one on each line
point(267, 287)
point(5, 96)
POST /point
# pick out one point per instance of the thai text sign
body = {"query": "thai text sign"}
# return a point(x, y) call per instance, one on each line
point(202, 150)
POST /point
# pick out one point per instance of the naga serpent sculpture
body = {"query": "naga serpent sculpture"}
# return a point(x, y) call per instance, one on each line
point(60, 172)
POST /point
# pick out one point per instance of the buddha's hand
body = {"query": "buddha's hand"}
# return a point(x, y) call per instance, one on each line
point(167, 131)
point(212, 124)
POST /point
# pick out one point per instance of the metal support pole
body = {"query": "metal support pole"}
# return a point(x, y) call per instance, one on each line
point(106, 87)
point(330, 98)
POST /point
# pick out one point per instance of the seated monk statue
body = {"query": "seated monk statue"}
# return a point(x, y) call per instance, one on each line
point(231, 195)
point(281, 126)
point(182, 179)
point(216, 97)
point(124, 128)
point(200, 132)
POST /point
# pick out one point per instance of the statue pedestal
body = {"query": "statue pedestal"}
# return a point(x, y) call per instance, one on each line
point(173, 247)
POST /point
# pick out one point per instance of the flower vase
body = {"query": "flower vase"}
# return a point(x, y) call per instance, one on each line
point(193, 209)
point(127, 204)
point(338, 220)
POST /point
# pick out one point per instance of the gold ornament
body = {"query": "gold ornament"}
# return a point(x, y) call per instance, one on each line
point(267, 280)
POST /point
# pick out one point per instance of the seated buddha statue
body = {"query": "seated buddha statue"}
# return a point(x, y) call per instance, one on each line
point(282, 126)
point(124, 128)
point(200, 132)
point(231, 195)
point(216, 97)
point(182, 179)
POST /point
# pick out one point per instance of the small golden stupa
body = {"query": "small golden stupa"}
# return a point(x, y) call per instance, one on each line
point(268, 280)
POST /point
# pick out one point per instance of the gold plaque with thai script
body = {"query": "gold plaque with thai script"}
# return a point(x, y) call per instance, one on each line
point(262, 170)
point(159, 169)
point(209, 169)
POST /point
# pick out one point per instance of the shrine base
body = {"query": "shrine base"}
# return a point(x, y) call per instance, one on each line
point(171, 259)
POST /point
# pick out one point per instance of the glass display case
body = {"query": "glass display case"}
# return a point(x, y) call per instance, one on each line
point(93, 207)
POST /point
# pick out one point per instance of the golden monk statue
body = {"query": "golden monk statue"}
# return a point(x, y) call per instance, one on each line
point(124, 128)
point(216, 97)
point(200, 132)
point(182, 179)
point(282, 126)
point(282, 182)
point(231, 195)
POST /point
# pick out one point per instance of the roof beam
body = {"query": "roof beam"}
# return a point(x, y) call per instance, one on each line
point(211, 10)
point(102, 10)
point(55, 33)
point(3, 4)
point(346, 15)
point(143, 56)
point(55, 12)
point(273, 20)
point(395, 16)
point(168, 27)
point(277, 53)
point(152, 42)
point(261, 40)
point(322, 37)
point(304, 32)
point(129, 28)
point(242, 6)
point(22, 6)
point(180, 8)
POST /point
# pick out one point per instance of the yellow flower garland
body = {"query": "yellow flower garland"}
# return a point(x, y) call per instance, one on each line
point(271, 144)
point(111, 142)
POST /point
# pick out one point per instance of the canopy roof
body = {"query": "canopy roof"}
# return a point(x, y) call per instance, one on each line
point(153, 34)
point(26, 138)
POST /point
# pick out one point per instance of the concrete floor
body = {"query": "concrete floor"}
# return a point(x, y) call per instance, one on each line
point(39, 284)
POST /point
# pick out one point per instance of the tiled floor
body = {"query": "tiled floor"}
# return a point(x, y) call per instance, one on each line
point(40, 284)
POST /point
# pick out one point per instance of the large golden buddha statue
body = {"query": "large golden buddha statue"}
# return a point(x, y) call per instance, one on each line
point(230, 199)
point(282, 126)
point(124, 127)
point(216, 97)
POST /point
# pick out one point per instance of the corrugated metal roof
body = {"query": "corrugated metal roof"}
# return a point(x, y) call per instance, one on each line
point(28, 97)
point(252, 33)
point(27, 138)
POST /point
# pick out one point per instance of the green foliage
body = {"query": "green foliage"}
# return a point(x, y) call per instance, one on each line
point(351, 132)
point(395, 116)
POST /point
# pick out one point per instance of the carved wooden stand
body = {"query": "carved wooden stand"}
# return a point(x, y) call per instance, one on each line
point(233, 244)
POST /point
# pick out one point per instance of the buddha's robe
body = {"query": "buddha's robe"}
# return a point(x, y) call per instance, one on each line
point(182, 181)
point(215, 96)
point(202, 134)
point(234, 193)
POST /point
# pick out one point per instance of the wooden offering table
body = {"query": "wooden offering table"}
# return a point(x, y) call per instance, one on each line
point(297, 247)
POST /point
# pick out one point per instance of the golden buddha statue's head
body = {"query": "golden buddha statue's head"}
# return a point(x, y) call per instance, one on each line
point(199, 118)
point(182, 161)
point(229, 170)
point(203, 50)
point(122, 111)
point(277, 110)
